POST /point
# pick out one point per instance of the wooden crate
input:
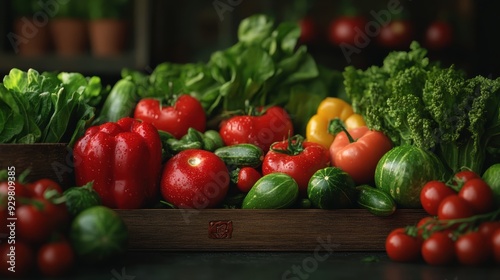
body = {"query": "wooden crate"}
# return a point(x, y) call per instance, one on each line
point(262, 230)
point(52, 161)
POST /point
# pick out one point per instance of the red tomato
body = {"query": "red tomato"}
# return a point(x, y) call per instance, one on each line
point(432, 194)
point(397, 34)
point(13, 188)
point(478, 194)
point(439, 35)
point(186, 112)
point(195, 179)
point(438, 249)
point(308, 30)
point(247, 176)
point(472, 249)
point(347, 30)
point(495, 239)
point(461, 177)
point(368, 149)
point(454, 207)
point(488, 228)
point(297, 158)
point(34, 224)
point(272, 125)
point(23, 262)
point(56, 258)
point(39, 187)
point(401, 247)
point(426, 223)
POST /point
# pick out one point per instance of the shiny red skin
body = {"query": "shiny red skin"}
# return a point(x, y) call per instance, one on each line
point(346, 29)
point(401, 247)
point(368, 149)
point(39, 187)
point(454, 207)
point(439, 35)
point(300, 167)
point(272, 126)
point(55, 259)
point(472, 249)
point(24, 259)
point(495, 240)
point(20, 190)
point(478, 194)
point(195, 179)
point(177, 119)
point(397, 34)
point(432, 194)
point(123, 159)
point(438, 249)
point(247, 177)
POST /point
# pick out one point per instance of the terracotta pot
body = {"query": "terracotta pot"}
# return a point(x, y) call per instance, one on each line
point(69, 36)
point(108, 37)
point(30, 37)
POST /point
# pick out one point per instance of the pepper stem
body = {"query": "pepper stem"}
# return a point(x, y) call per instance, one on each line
point(336, 126)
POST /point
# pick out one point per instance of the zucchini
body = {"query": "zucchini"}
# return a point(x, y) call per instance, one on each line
point(241, 155)
point(272, 191)
point(375, 200)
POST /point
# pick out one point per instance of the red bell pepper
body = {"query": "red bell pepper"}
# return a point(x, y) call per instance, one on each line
point(123, 159)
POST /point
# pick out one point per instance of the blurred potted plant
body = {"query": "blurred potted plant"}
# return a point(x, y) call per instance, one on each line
point(68, 28)
point(108, 26)
point(30, 34)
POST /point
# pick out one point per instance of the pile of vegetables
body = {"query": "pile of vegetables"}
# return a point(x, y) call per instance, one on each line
point(47, 229)
point(420, 103)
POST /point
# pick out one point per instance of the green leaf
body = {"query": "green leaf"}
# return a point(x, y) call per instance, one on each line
point(255, 29)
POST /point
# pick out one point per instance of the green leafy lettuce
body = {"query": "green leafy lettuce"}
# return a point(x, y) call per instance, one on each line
point(47, 107)
point(421, 103)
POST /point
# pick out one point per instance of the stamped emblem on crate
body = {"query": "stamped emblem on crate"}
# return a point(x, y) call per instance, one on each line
point(220, 229)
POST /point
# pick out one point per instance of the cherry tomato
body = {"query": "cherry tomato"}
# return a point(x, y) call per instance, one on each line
point(478, 194)
point(15, 188)
point(346, 30)
point(461, 177)
point(439, 35)
point(247, 176)
point(269, 126)
point(56, 258)
point(175, 119)
point(397, 34)
point(402, 247)
point(308, 30)
point(472, 249)
point(488, 228)
point(426, 223)
point(438, 249)
point(24, 259)
point(195, 179)
point(39, 187)
point(432, 194)
point(454, 207)
point(495, 239)
point(33, 223)
point(299, 159)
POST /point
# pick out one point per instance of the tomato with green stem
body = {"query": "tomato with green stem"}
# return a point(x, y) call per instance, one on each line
point(478, 194)
point(40, 186)
point(298, 158)
point(176, 117)
point(438, 249)
point(432, 194)
point(402, 247)
point(34, 222)
point(461, 177)
point(454, 207)
point(357, 151)
point(472, 248)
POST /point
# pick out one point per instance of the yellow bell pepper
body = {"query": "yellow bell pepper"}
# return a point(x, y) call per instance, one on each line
point(331, 108)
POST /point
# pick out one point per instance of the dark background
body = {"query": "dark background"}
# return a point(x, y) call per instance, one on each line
point(189, 31)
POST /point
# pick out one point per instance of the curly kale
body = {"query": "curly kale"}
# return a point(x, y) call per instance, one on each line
point(421, 103)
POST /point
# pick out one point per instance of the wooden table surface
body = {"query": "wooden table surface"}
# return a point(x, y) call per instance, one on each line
point(273, 265)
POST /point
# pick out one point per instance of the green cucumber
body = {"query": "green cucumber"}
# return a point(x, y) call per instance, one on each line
point(241, 155)
point(375, 200)
point(272, 191)
point(331, 188)
point(492, 177)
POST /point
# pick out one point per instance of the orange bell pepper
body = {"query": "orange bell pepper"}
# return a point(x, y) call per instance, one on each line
point(331, 108)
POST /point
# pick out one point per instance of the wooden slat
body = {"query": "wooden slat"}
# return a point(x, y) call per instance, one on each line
point(263, 230)
point(52, 161)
